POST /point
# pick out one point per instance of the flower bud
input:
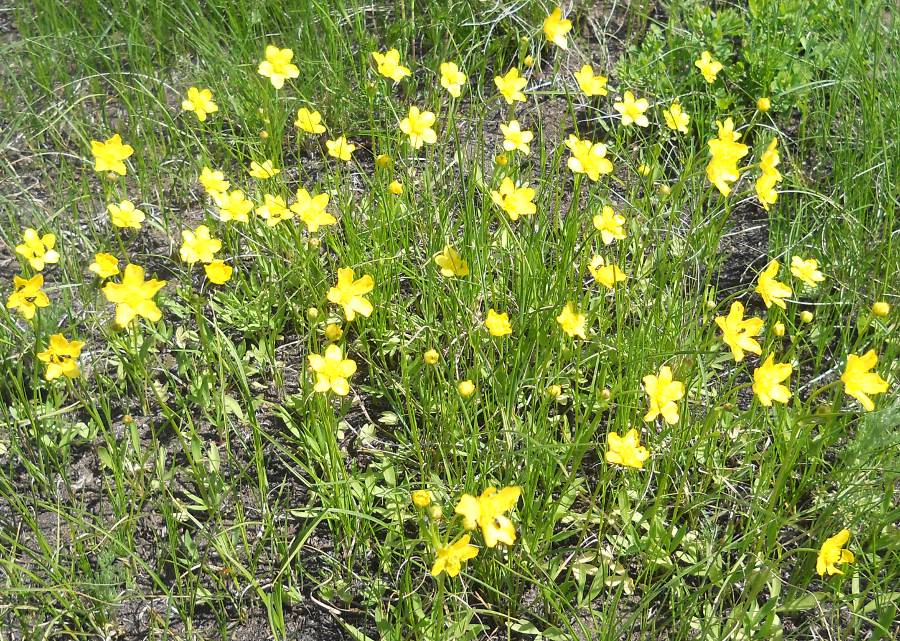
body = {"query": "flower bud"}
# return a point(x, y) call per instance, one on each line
point(764, 104)
point(431, 357)
point(881, 309)
point(465, 388)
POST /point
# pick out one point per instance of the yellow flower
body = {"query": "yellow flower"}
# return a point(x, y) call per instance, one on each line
point(664, 393)
point(766, 381)
point(511, 86)
point(263, 171)
point(515, 138)
point(350, 294)
point(572, 322)
point(881, 308)
point(487, 512)
point(333, 331)
point(708, 66)
point(514, 200)
point(806, 316)
point(610, 225)
point(644, 169)
point(725, 151)
point(778, 329)
point(451, 557)
point(311, 210)
point(125, 215)
point(738, 332)
point(110, 155)
point(590, 84)
point(213, 181)
point(771, 290)
point(200, 102)
point(277, 66)
point(134, 296)
point(431, 357)
point(528, 61)
point(421, 498)
point(27, 296)
point(451, 263)
point(104, 265)
point(764, 104)
point(396, 187)
point(309, 121)
point(766, 190)
point(452, 78)
point(632, 110)
point(807, 271)
point(198, 245)
point(383, 161)
point(389, 65)
point(332, 370)
point(417, 125)
point(770, 159)
point(859, 382)
point(465, 388)
point(832, 554)
point(38, 250)
point(274, 210)
point(340, 148)
point(61, 357)
point(497, 324)
point(233, 206)
point(556, 27)
point(501, 159)
point(554, 391)
point(676, 118)
point(606, 275)
point(588, 157)
point(626, 450)
point(218, 272)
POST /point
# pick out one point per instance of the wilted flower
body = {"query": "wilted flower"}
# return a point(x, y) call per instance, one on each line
point(333, 331)
point(881, 308)
point(332, 370)
point(421, 498)
point(277, 66)
point(134, 296)
point(395, 187)
point(200, 102)
point(27, 296)
point(767, 380)
point(389, 66)
point(632, 110)
point(832, 554)
point(764, 104)
point(431, 357)
point(111, 154)
point(488, 512)
point(38, 250)
point(350, 293)
point(664, 393)
point(465, 388)
point(626, 450)
point(61, 357)
point(859, 382)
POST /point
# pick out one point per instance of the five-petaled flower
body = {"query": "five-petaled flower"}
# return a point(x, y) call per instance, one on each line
point(807, 270)
point(340, 148)
point(274, 210)
point(213, 181)
point(515, 138)
point(125, 215)
point(832, 554)
point(663, 392)
point(311, 210)
point(587, 157)
point(111, 154)
point(350, 294)
point(452, 78)
point(626, 450)
point(200, 101)
point(389, 66)
point(332, 370)
point(515, 200)
point(676, 118)
point(589, 83)
point(451, 263)
point(708, 66)
point(609, 224)
point(859, 382)
point(134, 296)
point(61, 357)
point(277, 66)
point(198, 245)
point(417, 125)
point(488, 513)
point(233, 206)
point(497, 324)
point(450, 558)
point(309, 121)
point(264, 170)
point(511, 86)
point(218, 271)
point(607, 274)
point(571, 322)
point(632, 110)
point(738, 332)
point(767, 380)
point(104, 265)
point(556, 27)
point(27, 295)
point(38, 250)
point(771, 290)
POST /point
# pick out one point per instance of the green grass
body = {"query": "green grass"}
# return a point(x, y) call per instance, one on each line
point(191, 484)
